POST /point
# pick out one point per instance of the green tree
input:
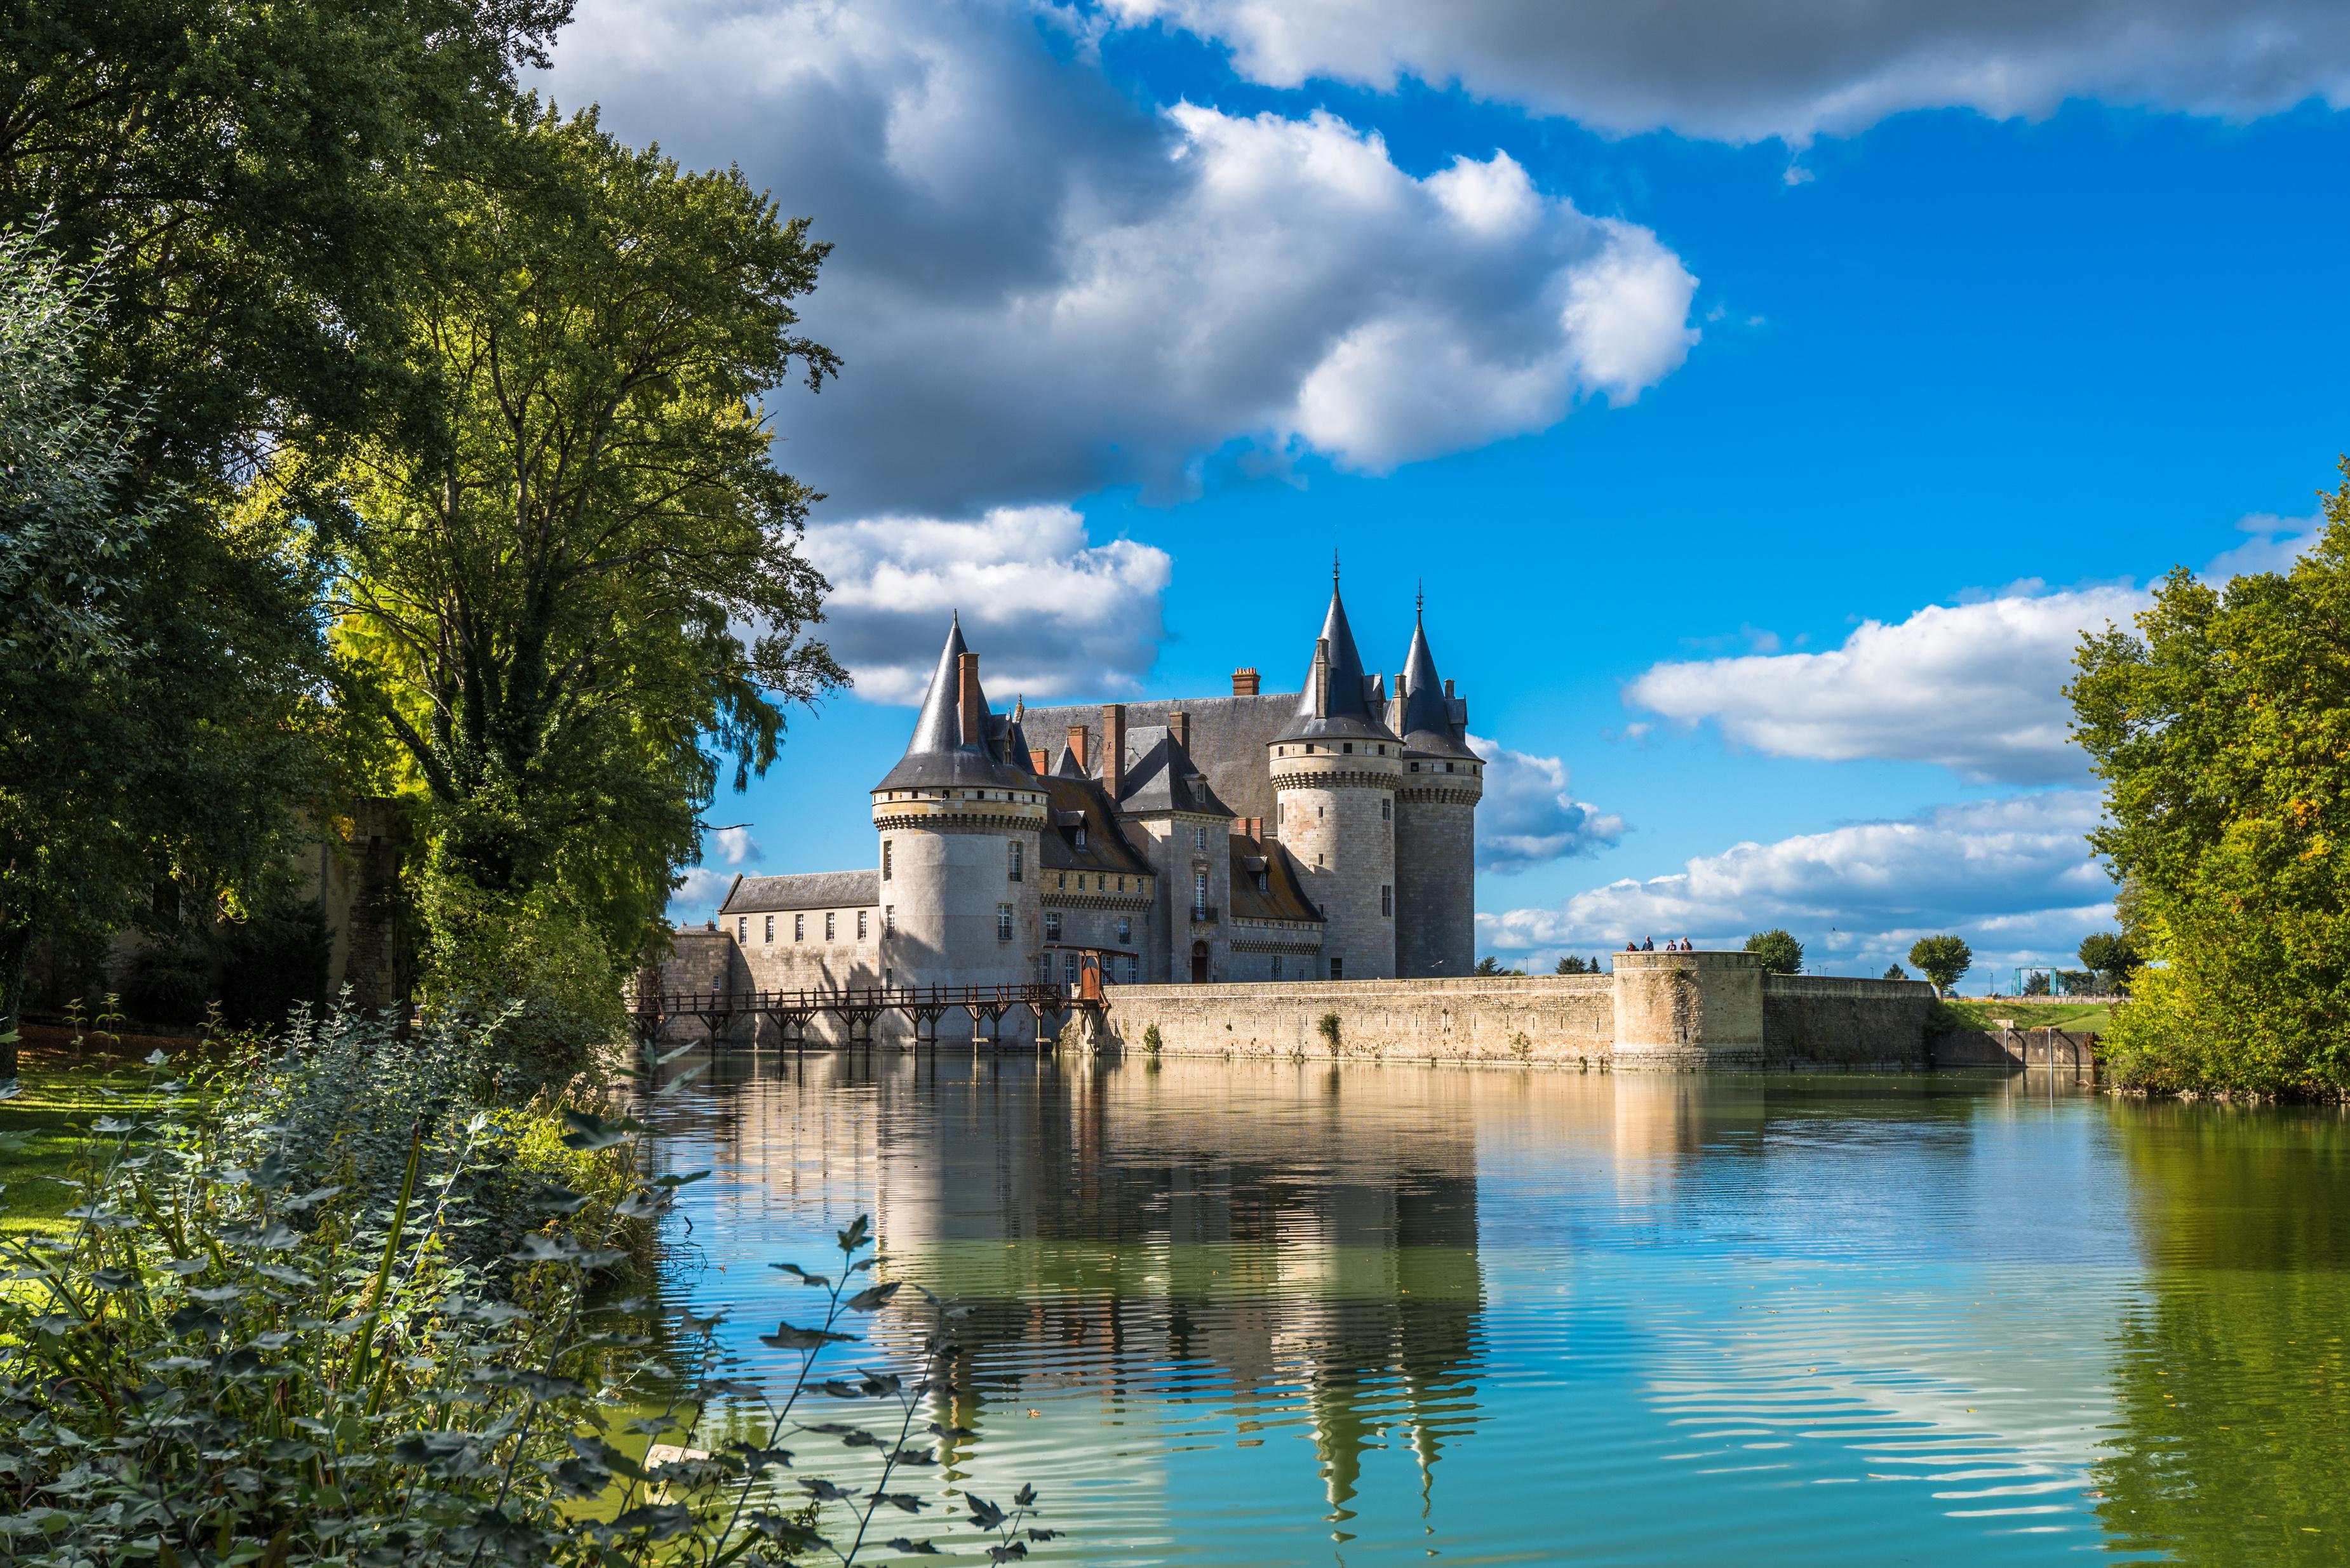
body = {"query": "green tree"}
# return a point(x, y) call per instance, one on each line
point(156, 670)
point(2110, 957)
point(1780, 952)
point(1941, 959)
point(551, 565)
point(1895, 971)
point(1488, 965)
point(2221, 727)
point(1570, 964)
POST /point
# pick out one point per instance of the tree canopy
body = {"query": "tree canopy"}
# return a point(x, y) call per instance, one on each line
point(1780, 953)
point(571, 583)
point(2220, 726)
point(1941, 959)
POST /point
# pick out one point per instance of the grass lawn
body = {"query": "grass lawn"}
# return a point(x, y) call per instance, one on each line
point(62, 1095)
point(2079, 1017)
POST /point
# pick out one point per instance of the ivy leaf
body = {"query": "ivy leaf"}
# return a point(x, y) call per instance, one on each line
point(872, 1299)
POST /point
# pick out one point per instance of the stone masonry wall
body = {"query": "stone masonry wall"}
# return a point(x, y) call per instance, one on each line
point(1561, 1019)
point(1812, 1018)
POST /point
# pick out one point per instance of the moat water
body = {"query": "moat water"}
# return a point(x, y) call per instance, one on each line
point(1252, 1314)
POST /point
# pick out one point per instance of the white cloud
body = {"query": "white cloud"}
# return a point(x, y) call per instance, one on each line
point(1528, 816)
point(696, 893)
point(1974, 687)
point(1977, 687)
point(1039, 287)
point(2014, 876)
point(1744, 70)
point(1048, 611)
point(737, 847)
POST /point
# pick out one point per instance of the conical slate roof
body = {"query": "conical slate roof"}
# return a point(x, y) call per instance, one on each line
point(941, 753)
point(1337, 702)
point(1428, 723)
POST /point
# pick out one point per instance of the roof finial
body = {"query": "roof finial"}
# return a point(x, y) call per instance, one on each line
point(1418, 596)
point(1333, 569)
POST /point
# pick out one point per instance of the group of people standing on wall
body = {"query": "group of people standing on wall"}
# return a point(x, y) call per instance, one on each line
point(1648, 945)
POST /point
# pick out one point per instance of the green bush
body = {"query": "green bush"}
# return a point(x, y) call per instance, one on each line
point(1780, 952)
point(220, 1366)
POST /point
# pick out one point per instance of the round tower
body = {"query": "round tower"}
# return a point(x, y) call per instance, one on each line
point(1334, 767)
point(1435, 823)
point(961, 819)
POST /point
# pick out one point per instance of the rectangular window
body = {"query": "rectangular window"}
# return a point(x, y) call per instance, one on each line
point(885, 860)
point(1002, 922)
point(860, 925)
point(1125, 929)
point(1069, 968)
point(1264, 881)
point(1080, 835)
point(1386, 899)
point(1052, 925)
point(743, 928)
point(1016, 859)
point(800, 928)
point(1386, 809)
point(1199, 893)
point(1199, 839)
point(827, 925)
point(1337, 969)
point(1349, 748)
point(1130, 965)
point(1276, 966)
point(889, 920)
point(771, 928)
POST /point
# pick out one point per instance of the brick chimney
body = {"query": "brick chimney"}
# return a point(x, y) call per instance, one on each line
point(971, 713)
point(1077, 745)
point(1113, 747)
point(1178, 725)
point(1448, 686)
point(1040, 759)
point(1252, 829)
point(1244, 683)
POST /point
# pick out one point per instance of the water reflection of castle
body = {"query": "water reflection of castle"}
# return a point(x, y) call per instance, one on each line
point(1155, 1232)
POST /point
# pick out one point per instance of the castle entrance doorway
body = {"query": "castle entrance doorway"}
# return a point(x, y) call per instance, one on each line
point(1198, 963)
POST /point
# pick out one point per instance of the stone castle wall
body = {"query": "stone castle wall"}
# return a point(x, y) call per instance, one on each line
point(1658, 1010)
point(1565, 1020)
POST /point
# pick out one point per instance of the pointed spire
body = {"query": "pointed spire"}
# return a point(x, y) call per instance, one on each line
point(940, 752)
point(1427, 720)
point(1336, 699)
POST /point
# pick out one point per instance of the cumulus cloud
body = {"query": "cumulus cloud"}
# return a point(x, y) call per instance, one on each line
point(736, 847)
point(1744, 70)
point(1039, 287)
point(2014, 876)
point(1528, 816)
point(1047, 610)
point(696, 893)
point(1974, 687)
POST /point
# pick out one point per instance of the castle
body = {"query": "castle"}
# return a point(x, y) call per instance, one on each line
point(1328, 834)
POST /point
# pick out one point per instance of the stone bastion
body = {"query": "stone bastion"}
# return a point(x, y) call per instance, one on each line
point(1658, 1010)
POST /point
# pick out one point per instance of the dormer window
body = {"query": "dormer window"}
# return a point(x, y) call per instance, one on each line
point(1078, 838)
point(1348, 748)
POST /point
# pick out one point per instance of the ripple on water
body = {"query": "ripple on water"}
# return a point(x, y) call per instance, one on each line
point(1271, 1313)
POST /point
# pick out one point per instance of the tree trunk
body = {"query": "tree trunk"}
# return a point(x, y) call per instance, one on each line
point(15, 947)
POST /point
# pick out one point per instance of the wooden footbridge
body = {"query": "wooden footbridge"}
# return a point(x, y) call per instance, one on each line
point(861, 1008)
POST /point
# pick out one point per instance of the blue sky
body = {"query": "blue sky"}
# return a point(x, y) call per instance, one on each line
point(1766, 399)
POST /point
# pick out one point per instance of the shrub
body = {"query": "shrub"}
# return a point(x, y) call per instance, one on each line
point(1328, 1027)
point(1150, 1041)
point(221, 1368)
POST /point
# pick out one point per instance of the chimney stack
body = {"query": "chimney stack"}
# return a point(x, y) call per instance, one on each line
point(1448, 686)
point(1113, 747)
point(1040, 759)
point(1178, 725)
point(1320, 678)
point(1254, 827)
point(1077, 745)
point(1244, 683)
point(970, 712)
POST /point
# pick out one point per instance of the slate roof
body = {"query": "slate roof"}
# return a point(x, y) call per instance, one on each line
point(1074, 801)
point(939, 753)
point(1339, 702)
point(1430, 723)
point(807, 891)
point(1163, 777)
point(1284, 896)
